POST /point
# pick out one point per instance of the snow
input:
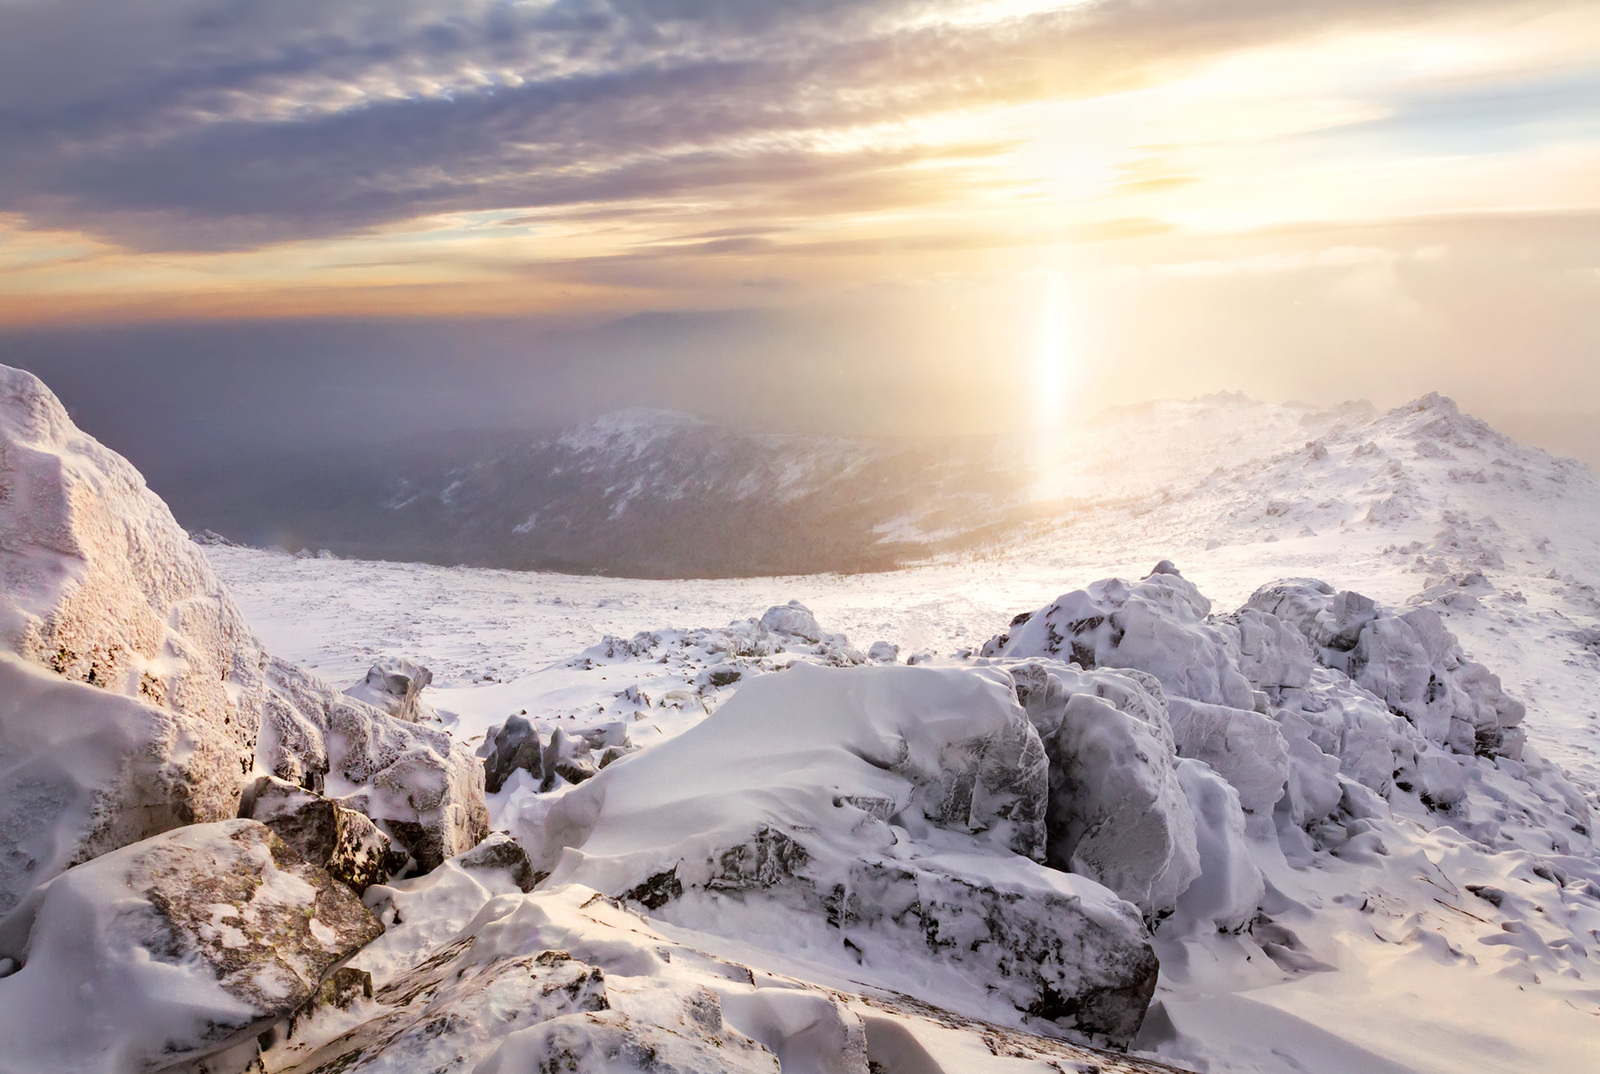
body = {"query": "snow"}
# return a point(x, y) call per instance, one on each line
point(1373, 944)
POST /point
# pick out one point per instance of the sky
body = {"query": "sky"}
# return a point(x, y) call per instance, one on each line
point(881, 216)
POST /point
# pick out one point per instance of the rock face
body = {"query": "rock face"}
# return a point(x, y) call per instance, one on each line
point(171, 949)
point(425, 791)
point(346, 843)
point(1408, 660)
point(897, 811)
point(1117, 813)
point(395, 686)
point(130, 687)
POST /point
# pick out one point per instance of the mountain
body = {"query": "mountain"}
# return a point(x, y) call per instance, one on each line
point(651, 493)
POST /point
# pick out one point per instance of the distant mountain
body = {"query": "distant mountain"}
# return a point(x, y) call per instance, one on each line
point(655, 493)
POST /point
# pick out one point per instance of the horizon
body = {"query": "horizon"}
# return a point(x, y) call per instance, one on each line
point(876, 217)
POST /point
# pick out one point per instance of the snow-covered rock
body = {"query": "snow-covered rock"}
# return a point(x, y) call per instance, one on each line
point(889, 811)
point(1408, 660)
point(171, 949)
point(346, 843)
point(1157, 625)
point(1229, 888)
point(1244, 747)
point(130, 686)
point(395, 685)
point(566, 757)
point(424, 789)
point(1117, 813)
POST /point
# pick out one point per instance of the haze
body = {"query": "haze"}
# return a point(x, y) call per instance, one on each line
point(225, 225)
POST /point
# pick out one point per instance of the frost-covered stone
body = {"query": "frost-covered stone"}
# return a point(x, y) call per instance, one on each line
point(1409, 661)
point(171, 949)
point(512, 746)
point(1244, 747)
point(793, 619)
point(566, 757)
point(130, 686)
point(501, 853)
point(395, 685)
point(422, 788)
point(346, 843)
point(1157, 626)
point(889, 807)
point(1351, 724)
point(1268, 651)
point(1229, 888)
point(1117, 813)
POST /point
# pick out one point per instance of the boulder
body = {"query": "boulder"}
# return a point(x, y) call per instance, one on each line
point(1117, 813)
point(1408, 661)
point(172, 949)
point(511, 746)
point(1158, 626)
point(395, 686)
point(794, 620)
point(422, 788)
point(346, 843)
point(1244, 747)
point(566, 757)
point(501, 853)
point(891, 810)
point(1230, 887)
point(130, 686)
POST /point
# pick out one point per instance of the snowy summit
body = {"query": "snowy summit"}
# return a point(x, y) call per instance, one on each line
point(1270, 750)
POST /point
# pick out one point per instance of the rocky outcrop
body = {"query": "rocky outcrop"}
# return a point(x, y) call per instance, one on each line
point(346, 843)
point(898, 810)
point(1406, 659)
point(130, 686)
point(172, 949)
point(1117, 813)
point(395, 686)
point(423, 789)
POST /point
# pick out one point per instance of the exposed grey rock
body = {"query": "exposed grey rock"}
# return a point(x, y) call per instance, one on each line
point(219, 927)
point(500, 851)
point(511, 746)
point(346, 843)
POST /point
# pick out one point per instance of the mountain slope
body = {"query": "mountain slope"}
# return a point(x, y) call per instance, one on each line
point(661, 494)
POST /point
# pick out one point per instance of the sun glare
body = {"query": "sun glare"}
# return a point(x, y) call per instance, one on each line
point(1052, 383)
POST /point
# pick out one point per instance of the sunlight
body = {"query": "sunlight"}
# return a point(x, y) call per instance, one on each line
point(1053, 374)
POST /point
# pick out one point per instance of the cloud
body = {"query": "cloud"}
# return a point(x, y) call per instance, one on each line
point(228, 124)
